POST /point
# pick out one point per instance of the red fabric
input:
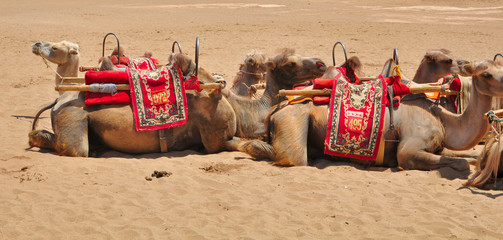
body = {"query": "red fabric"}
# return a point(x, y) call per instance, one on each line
point(355, 126)
point(124, 60)
point(319, 83)
point(321, 100)
point(121, 97)
point(455, 86)
point(193, 84)
point(106, 77)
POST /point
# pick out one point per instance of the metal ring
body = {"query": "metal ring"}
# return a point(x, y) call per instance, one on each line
point(496, 56)
point(197, 54)
point(345, 55)
point(395, 56)
point(118, 46)
point(173, 47)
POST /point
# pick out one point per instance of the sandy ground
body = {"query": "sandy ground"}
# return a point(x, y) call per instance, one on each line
point(228, 195)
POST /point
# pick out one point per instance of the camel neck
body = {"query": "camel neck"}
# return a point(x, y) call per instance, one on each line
point(463, 131)
point(68, 69)
point(423, 74)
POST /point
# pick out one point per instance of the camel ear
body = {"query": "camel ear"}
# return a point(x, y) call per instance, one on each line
point(74, 51)
point(270, 64)
point(469, 69)
point(429, 58)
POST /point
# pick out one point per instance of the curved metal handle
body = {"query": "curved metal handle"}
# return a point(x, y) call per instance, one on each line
point(173, 47)
point(345, 55)
point(496, 56)
point(197, 55)
point(118, 46)
point(395, 56)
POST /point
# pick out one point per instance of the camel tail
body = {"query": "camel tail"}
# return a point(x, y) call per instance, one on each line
point(491, 156)
point(35, 119)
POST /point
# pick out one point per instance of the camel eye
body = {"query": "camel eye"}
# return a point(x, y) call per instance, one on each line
point(447, 61)
point(487, 75)
point(54, 48)
point(293, 64)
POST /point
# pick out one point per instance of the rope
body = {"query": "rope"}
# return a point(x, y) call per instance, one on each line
point(48, 66)
point(491, 117)
point(261, 74)
point(396, 71)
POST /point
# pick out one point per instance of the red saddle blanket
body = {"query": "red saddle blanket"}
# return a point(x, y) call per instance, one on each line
point(356, 119)
point(158, 98)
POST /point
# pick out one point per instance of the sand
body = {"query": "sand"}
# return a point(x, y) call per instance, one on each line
point(229, 195)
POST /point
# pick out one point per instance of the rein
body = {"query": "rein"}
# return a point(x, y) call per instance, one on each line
point(261, 74)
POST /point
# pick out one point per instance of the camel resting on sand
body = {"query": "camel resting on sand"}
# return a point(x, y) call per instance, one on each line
point(211, 123)
point(424, 129)
point(251, 71)
point(65, 54)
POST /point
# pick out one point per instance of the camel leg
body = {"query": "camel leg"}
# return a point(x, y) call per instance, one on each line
point(409, 156)
point(257, 149)
point(471, 154)
point(289, 134)
point(41, 139)
point(71, 130)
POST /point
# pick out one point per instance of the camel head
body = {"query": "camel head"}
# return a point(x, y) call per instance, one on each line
point(353, 62)
point(440, 63)
point(58, 53)
point(487, 77)
point(186, 65)
point(288, 68)
point(254, 62)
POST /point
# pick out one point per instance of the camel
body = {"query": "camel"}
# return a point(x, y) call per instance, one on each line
point(210, 123)
point(283, 72)
point(251, 72)
point(65, 54)
point(211, 119)
point(423, 129)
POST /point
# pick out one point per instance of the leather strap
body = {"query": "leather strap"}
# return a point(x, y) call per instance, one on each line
point(163, 140)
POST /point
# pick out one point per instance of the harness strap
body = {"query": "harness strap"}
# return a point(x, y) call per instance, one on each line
point(163, 141)
point(390, 106)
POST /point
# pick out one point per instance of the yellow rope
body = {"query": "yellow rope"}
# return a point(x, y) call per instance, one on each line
point(48, 66)
point(396, 71)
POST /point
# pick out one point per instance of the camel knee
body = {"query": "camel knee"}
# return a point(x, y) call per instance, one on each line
point(41, 139)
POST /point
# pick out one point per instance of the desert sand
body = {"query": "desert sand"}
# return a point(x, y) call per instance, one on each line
point(229, 195)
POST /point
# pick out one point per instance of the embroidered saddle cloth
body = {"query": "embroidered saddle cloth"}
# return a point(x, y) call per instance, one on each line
point(356, 117)
point(158, 98)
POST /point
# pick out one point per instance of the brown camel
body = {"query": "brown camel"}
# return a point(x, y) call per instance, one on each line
point(210, 124)
point(424, 129)
point(65, 54)
point(283, 72)
point(251, 72)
